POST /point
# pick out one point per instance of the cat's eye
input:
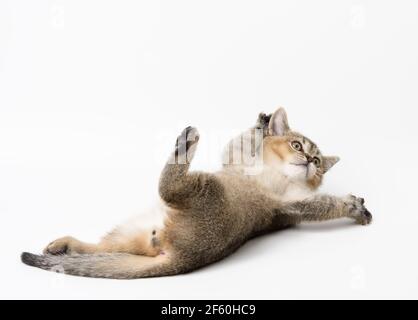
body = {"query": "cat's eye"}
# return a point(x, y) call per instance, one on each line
point(317, 161)
point(297, 145)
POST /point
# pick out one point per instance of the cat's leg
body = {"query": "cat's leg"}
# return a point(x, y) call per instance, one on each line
point(180, 188)
point(325, 207)
point(140, 235)
point(144, 242)
point(68, 245)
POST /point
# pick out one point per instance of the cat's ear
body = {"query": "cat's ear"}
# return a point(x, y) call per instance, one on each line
point(329, 162)
point(278, 125)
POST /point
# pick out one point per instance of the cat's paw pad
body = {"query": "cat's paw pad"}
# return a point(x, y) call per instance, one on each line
point(186, 143)
point(357, 210)
point(59, 246)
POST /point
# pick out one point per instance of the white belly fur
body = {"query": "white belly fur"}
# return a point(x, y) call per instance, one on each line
point(150, 219)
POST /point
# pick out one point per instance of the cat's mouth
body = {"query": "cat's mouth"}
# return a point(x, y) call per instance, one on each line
point(304, 164)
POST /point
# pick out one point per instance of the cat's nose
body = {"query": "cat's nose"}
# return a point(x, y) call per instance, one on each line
point(309, 158)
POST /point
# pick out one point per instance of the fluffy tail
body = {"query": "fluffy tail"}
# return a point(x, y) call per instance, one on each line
point(107, 265)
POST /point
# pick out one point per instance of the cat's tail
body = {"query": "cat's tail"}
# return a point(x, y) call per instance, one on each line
point(106, 265)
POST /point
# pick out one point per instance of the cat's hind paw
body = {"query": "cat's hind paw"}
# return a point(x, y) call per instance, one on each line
point(186, 145)
point(60, 246)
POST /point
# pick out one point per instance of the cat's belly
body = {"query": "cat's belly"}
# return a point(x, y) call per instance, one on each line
point(142, 234)
point(152, 219)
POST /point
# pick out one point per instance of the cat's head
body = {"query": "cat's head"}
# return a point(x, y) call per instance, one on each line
point(293, 154)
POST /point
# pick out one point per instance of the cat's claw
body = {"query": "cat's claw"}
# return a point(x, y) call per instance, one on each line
point(358, 211)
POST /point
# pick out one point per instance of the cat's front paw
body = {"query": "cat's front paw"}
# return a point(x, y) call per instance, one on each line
point(357, 210)
point(60, 246)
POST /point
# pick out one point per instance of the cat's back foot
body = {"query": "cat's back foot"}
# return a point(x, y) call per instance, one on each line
point(60, 246)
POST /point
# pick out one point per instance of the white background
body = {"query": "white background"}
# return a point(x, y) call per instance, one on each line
point(94, 93)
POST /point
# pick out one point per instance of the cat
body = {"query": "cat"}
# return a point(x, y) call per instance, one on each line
point(204, 217)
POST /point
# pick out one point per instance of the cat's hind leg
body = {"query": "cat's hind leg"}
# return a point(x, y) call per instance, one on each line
point(69, 245)
point(147, 242)
point(177, 186)
point(181, 189)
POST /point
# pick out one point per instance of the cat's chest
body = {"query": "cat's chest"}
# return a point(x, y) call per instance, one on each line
point(282, 188)
point(295, 192)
